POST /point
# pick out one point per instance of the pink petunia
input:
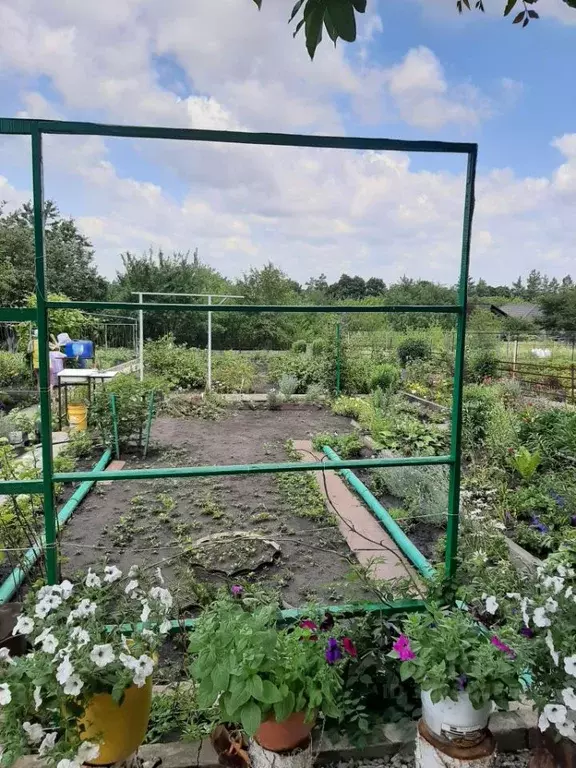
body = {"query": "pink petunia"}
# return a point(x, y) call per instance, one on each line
point(349, 647)
point(403, 649)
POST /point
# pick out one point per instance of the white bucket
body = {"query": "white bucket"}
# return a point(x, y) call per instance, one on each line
point(455, 720)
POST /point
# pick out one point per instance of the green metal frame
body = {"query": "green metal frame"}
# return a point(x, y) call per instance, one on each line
point(45, 487)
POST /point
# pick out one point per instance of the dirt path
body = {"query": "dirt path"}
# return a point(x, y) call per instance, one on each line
point(147, 521)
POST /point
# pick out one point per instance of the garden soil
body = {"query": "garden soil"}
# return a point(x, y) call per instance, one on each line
point(149, 522)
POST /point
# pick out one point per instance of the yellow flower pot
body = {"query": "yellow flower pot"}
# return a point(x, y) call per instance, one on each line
point(118, 728)
point(77, 417)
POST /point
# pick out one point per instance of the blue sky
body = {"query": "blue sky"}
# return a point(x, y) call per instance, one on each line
point(418, 70)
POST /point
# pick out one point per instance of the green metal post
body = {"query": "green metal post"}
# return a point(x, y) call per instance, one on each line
point(338, 344)
point(44, 359)
point(149, 422)
point(456, 432)
point(115, 425)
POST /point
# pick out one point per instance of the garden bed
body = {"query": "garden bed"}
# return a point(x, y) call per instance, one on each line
point(157, 521)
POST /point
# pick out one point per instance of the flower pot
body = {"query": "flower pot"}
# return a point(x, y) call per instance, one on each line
point(286, 735)
point(455, 720)
point(118, 728)
point(77, 417)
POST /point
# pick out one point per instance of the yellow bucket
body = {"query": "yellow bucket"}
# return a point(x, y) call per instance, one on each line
point(78, 417)
point(118, 728)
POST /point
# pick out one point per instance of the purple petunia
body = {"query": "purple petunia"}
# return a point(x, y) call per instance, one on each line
point(526, 631)
point(236, 590)
point(502, 646)
point(538, 525)
point(327, 622)
point(403, 649)
point(462, 682)
point(333, 652)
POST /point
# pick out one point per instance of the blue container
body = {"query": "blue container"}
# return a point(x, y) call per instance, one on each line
point(83, 350)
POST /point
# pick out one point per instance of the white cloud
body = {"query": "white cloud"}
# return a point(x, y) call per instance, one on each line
point(421, 92)
point(310, 211)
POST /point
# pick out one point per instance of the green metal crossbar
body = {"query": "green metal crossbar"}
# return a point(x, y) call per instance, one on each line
point(36, 128)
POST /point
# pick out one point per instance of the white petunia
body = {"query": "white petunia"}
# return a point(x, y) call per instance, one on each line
point(491, 604)
point(92, 579)
point(513, 595)
point(66, 588)
point(127, 661)
point(134, 569)
point(131, 587)
point(37, 697)
point(555, 713)
point(143, 669)
point(5, 695)
point(49, 644)
point(543, 722)
point(47, 743)
point(540, 618)
point(44, 592)
point(570, 665)
point(162, 595)
point(73, 686)
point(84, 609)
point(112, 574)
point(102, 655)
point(64, 671)
point(47, 604)
point(498, 525)
point(145, 611)
point(165, 627)
point(34, 731)
point(148, 633)
point(159, 575)
point(87, 751)
point(23, 626)
point(554, 582)
point(553, 652)
point(569, 698)
point(551, 605)
point(65, 763)
point(5, 656)
point(81, 636)
point(524, 603)
point(567, 729)
point(569, 592)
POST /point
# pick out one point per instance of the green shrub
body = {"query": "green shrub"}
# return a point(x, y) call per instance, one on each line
point(12, 368)
point(424, 490)
point(385, 376)
point(413, 349)
point(477, 407)
point(185, 367)
point(318, 347)
point(484, 365)
point(109, 358)
point(553, 432)
point(288, 385)
point(352, 407)
point(232, 372)
point(307, 370)
point(315, 393)
point(299, 346)
point(346, 446)
point(131, 405)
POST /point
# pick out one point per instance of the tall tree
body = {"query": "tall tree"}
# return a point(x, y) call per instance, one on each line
point(69, 258)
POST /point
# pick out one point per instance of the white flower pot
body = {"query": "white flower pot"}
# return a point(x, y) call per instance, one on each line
point(455, 720)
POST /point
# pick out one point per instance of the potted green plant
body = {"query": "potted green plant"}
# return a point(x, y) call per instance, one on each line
point(83, 692)
point(271, 680)
point(462, 670)
point(547, 617)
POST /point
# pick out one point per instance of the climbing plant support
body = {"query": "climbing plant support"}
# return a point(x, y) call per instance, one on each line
point(37, 128)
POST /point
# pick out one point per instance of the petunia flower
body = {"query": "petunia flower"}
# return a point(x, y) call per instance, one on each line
point(570, 665)
point(569, 698)
point(92, 580)
point(550, 644)
point(540, 618)
point(47, 743)
point(538, 525)
point(349, 647)
point(526, 631)
point(102, 655)
point(34, 731)
point(23, 626)
point(308, 624)
point(236, 590)
point(111, 574)
point(403, 649)
point(87, 752)
point(73, 686)
point(502, 646)
point(491, 605)
point(5, 694)
point(327, 622)
point(462, 682)
point(333, 652)
point(555, 713)
point(37, 698)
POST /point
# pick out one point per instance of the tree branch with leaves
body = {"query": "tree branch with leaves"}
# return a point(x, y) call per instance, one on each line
point(338, 17)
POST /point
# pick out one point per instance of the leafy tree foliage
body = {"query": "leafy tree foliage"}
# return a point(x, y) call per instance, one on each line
point(559, 310)
point(69, 257)
point(338, 17)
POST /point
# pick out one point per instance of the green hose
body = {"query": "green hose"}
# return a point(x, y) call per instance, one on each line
point(15, 579)
point(406, 546)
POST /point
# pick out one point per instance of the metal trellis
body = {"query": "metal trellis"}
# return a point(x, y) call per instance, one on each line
point(45, 486)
